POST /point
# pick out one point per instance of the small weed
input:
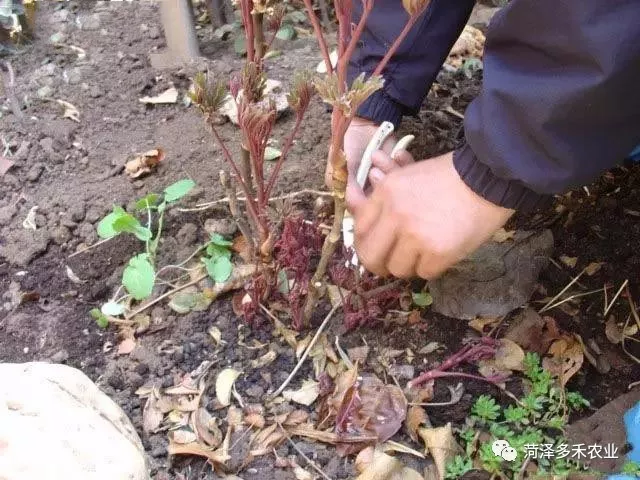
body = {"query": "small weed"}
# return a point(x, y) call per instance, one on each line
point(140, 276)
point(532, 427)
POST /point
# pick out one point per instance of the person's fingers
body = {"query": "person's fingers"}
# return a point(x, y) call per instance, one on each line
point(383, 161)
point(403, 158)
point(402, 261)
point(389, 143)
point(365, 210)
point(376, 176)
point(374, 245)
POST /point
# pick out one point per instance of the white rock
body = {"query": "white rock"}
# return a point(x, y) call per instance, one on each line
point(272, 91)
point(56, 424)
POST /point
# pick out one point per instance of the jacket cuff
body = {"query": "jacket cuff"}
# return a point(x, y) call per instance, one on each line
point(380, 107)
point(506, 193)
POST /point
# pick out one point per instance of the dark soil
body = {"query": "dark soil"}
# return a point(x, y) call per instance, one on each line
point(73, 173)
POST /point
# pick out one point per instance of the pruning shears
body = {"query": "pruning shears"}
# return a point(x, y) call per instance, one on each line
point(376, 142)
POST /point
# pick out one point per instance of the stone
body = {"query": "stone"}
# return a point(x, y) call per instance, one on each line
point(76, 430)
point(498, 278)
point(21, 246)
point(77, 212)
point(60, 235)
point(45, 92)
point(6, 214)
point(22, 152)
point(58, 37)
point(60, 356)
point(73, 76)
point(95, 91)
point(34, 172)
point(93, 215)
point(47, 145)
point(224, 226)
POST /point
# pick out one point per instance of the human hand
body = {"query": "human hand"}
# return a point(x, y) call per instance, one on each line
point(420, 219)
point(356, 139)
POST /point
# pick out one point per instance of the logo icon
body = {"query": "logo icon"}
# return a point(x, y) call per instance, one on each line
point(501, 448)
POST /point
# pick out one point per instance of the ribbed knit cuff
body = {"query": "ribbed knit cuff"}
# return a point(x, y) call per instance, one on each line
point(380, 107)
point(503, 192)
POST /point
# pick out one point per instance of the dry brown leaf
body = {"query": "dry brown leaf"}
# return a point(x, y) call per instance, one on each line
point(234, 416)
point(593, 268)
point(308, 431)
point(168, 96)
point(569, 261)
point(224, 384)
point(430, 348)
point(182, 436)
point(265, 440)
point(216, 334)
point(206, 428)
point(615, 332)
point(509, 355)
point(287, 334)
point(217, 457)
point(151, 416)
point(503, 235)
point(264, 360)
point(567, 356)
point(144, 163)
point(533, 332)
point(292, 419)
point(241, 247)
point(254, 420)
point(480, 323)
point(301, 474)
point(440, 444)
point(302, 346)
point(305, 395)
point(416, 418)
point(375, 464)
point(5, 165)
point(126, 346)
point(70, 111)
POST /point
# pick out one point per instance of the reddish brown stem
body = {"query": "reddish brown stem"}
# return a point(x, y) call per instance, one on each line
point(433, 374)
point(245, 9)
point(285, 151)
point(317, 29)
point(227, 156)
point(353, 42)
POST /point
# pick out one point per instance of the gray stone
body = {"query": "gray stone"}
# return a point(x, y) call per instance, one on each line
point(21, 246)
point(58, 37)
point(494, 280)
point(45, 92)
point(93, 215)
point(95, 91)
point(47, 145)
point(23, 151)
point(79, 431)
point(73, 76)
point(60, 356)
point(224, 226)
point(60, 235)
point(34, 172)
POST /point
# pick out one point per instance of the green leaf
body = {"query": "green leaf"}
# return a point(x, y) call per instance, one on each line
point(286, 32)
point(148, 201)
point(219, 240)
point(101, 319)
point(485, 408)
point(214, 251)
point(178, 190)
point(130, 224)
point(632, 468)
point(139, 277)
point(188, 301)
point(422, 299)
point(271, 154)
point(219, 269)
point(239, 45)
point(105, 227)
point(112, 309)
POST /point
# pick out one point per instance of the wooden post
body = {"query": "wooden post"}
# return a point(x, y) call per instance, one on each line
point(179, 29)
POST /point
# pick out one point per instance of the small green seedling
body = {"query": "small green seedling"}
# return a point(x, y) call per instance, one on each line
point(421, 299)
point(538, 418)
point(218, 259)
point(139, 276)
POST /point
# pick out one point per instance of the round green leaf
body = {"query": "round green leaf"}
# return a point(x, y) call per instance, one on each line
point(271, 153)
point(286, 32)
point(422, 299)
point(105, 227)
point(139, 277)
point(178, 190)
point(239, 45)
point(219, 269)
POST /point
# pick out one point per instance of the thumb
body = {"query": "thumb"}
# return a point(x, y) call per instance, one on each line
point(355, 197)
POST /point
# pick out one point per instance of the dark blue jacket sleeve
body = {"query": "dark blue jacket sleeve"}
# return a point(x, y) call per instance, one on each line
point(410, 73)
point(559, 103)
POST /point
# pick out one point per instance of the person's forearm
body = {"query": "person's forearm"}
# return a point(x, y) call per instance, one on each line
point(414, 67)
point(559, 102)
